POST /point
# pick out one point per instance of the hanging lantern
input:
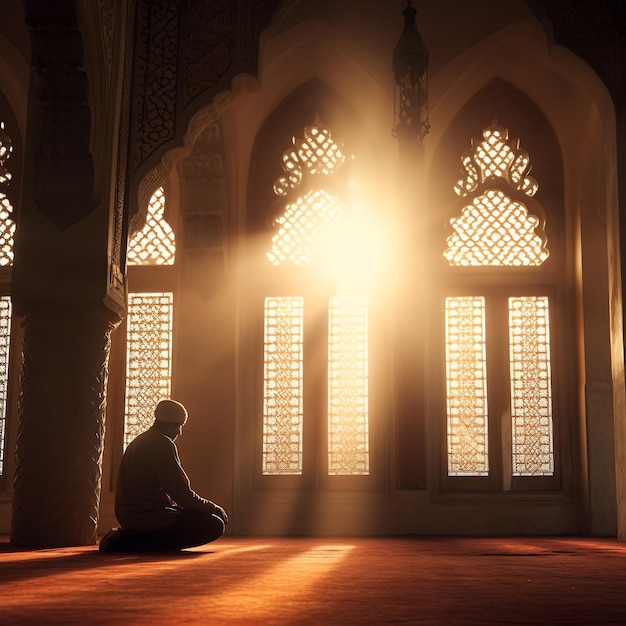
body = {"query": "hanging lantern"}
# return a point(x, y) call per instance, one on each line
point(410, 68)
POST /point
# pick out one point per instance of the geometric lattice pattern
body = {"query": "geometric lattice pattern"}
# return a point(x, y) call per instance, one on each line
point(5, 153)
point(283, 386)
point(5, 338)
point(348, 436)
point(531, 395)
point(155, 243)
point(305, 225)
point(493, 229)
point(310, 220)
point(148, 358)
point(7, 225)
point(494, 158)
point(466, 376)
point(317, 153)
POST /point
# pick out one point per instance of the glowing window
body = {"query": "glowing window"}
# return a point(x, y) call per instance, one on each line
point(155, 243)
point(493, 228)
point(313, 216)
point(348, 438)
point(531, 395)
point(148, 358)
point(7, 225)
point(283, 383)
point(466, 386)
point(314, 220)
point(5, 336)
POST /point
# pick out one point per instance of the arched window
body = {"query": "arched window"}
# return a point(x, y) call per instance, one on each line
point(155, 243)
point(500, 417)
point(7, 225)
point(314, 215)
point(149, 321)
point(7, 231)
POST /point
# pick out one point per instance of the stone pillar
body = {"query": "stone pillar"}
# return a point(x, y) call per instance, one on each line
point(68, 285)
point(61, 427)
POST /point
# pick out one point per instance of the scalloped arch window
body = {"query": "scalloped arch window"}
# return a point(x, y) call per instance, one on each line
point(483, 382)
point(311, 219)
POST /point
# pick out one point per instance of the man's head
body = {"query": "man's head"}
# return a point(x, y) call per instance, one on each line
point(170, 417)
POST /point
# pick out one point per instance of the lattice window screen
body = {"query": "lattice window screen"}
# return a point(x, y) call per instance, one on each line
point(148, 358)
point(348, 429)
point(466, 386)
point(531, 386)
point(5, 337)
point(155, 243)
point(7, 225)
point(310, 221)
point(494, 229)
point(283, 386)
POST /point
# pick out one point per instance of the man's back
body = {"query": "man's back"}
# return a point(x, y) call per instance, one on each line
point(140, 497)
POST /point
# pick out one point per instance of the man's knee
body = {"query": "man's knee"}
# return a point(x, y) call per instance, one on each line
point(201, 527)
point(214, 527)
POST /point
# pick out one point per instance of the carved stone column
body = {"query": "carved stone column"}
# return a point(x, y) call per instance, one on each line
point(61, 427)
point(67, 287)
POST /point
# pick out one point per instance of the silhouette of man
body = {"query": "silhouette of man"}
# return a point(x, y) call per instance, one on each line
point(154, 503)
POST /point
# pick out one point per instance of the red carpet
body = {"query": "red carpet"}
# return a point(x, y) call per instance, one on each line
point(267, 580)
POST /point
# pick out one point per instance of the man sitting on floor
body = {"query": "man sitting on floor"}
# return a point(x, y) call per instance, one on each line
point(154, 502)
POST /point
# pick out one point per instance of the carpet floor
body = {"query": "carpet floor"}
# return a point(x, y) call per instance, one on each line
point(300, 581)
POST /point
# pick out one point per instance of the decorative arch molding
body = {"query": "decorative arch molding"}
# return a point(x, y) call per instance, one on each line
point(551, 76)
point(322, 52)
point(158, 175)
point(154, 179)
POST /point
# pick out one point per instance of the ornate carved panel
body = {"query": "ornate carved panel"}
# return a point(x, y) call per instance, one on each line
point(155, 75)
point(207, 44)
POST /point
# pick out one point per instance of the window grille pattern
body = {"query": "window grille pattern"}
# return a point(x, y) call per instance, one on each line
point(283, 386)
point(348, 436)
point(531, 395)
point(494, 229)
point(148, 358)
point(312, 218)
point(466, 375)
point(7, 225)
point(155, 243)
point(5, 338)
point(306, 223)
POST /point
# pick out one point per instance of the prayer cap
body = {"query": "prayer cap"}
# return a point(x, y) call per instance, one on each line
point(170, 411)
